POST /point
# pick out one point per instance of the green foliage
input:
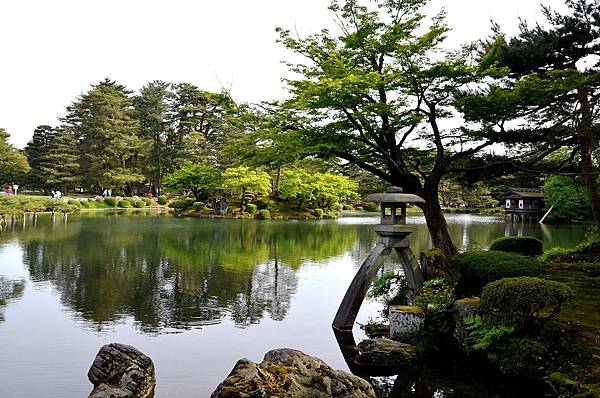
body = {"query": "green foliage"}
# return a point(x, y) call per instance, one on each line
point(242, 180)
point(112, 202)
point(180, 204)
point(124, 203)
point(197, 206)
point(319, 213)
point(148, 201)
point(486, 334)
point(391, 286)
point(553, 254)
point(251, 208)
point(522, 356)
point(590, 245)
point(478, 268)
point(435, 295)
point(263, 214)
point(262, 204)
point(74, 202)
point(521, 300)
point(525, 245)
point(12, 161)
point(371, 207)
point(201, 179)
point(139, 204)
point(569, 198)
point(322, 189)
point(162, 200)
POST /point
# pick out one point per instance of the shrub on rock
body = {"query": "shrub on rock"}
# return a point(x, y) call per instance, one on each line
point(520, 301)
point(124, 203)
point(162, 200)
point(525, 245)
point(478, 268)
point(112, 202)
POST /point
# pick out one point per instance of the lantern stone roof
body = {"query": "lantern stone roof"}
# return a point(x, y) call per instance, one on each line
point(394, 195)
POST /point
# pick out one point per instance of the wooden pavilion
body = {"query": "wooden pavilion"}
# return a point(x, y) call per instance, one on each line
point(524, 204)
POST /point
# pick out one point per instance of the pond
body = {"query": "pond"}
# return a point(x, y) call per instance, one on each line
point(193, 294)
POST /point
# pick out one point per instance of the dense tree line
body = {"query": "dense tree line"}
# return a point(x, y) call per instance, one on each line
point(111, 138)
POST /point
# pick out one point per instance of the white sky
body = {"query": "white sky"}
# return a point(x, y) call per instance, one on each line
point(51, 51)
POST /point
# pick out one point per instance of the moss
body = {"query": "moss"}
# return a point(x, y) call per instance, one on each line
point(407, 309)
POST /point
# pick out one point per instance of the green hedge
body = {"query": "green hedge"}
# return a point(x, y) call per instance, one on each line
point(525, 245)
point(319, 213)
point(179, 204)
point(478, 268)
point(162, 200)
point(520, 300)
point(198, 206)
point(124, 203)
point(251, 208)
point(112, 202)
point(138, 204)
point(148, 201)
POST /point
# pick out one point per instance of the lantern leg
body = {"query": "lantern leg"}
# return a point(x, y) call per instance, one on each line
point(411, 267)
point(346, 314)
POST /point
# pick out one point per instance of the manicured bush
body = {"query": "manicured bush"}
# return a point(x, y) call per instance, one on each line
point(251, 208)
point(478, 268)
point(347, 207)
point(112, 202)
point(179, 205)
point(554, 253)
point(198, 206)
point(124, 203)
point(591, 244)
point(319, 213)
point(525, 245)
point(86, 204)
point(138, 204)
point(520, 300)
point(264, 214)
point(162, 200)
point(148, 201)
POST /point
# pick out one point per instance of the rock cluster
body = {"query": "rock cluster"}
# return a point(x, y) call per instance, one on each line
point(290, 373)
point(121, 371)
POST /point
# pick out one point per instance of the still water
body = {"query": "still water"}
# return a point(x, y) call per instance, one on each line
point(195, 295)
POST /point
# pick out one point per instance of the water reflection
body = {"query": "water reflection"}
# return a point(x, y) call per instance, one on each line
point(10, 291)
point(169, 273)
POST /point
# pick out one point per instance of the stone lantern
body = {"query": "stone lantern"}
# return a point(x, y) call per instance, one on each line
point(393, 235)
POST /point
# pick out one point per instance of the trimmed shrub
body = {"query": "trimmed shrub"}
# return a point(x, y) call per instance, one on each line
point(525, 245)
point(179, 205)
point(148, 201)
point(347, 207)
point(124, 203)
point(478, 268)
point(319, 213)
point(520, 300)
point(198, 206)
point(139, 204)
point(591, 244)
point(338, 207)
point(162, 200)
point(554, 254)
point(251, 208)
point(112, 202)
point(86, 204)
point(264, 214)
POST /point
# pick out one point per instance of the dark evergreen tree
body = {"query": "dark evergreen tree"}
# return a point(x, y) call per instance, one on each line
point(111, 151)
point(60, 168)
point(37, 151)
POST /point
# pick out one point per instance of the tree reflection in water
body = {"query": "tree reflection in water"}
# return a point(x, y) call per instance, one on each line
point(10, 291)
point(178, 274)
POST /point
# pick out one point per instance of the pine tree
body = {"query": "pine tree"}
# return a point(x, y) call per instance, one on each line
point(111, 151)
point(60, 167)
point(37, 150)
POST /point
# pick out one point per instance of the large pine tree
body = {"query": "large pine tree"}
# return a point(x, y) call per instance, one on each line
point(111, 151)
point(60, 165)
point(37, 150)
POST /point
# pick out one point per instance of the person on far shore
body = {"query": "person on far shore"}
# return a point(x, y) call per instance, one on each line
point(9, 190)
point(15, 188)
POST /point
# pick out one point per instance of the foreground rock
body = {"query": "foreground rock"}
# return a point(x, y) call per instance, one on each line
point(385, 354)
point(121, 371)
point(290, 373)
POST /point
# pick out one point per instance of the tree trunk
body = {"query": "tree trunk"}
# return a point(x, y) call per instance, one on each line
point(586, 148)
point(437, 225)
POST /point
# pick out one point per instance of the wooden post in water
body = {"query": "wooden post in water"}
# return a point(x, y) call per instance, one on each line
point(392, 235)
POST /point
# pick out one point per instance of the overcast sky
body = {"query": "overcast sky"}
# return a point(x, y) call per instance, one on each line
point(51, 51)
